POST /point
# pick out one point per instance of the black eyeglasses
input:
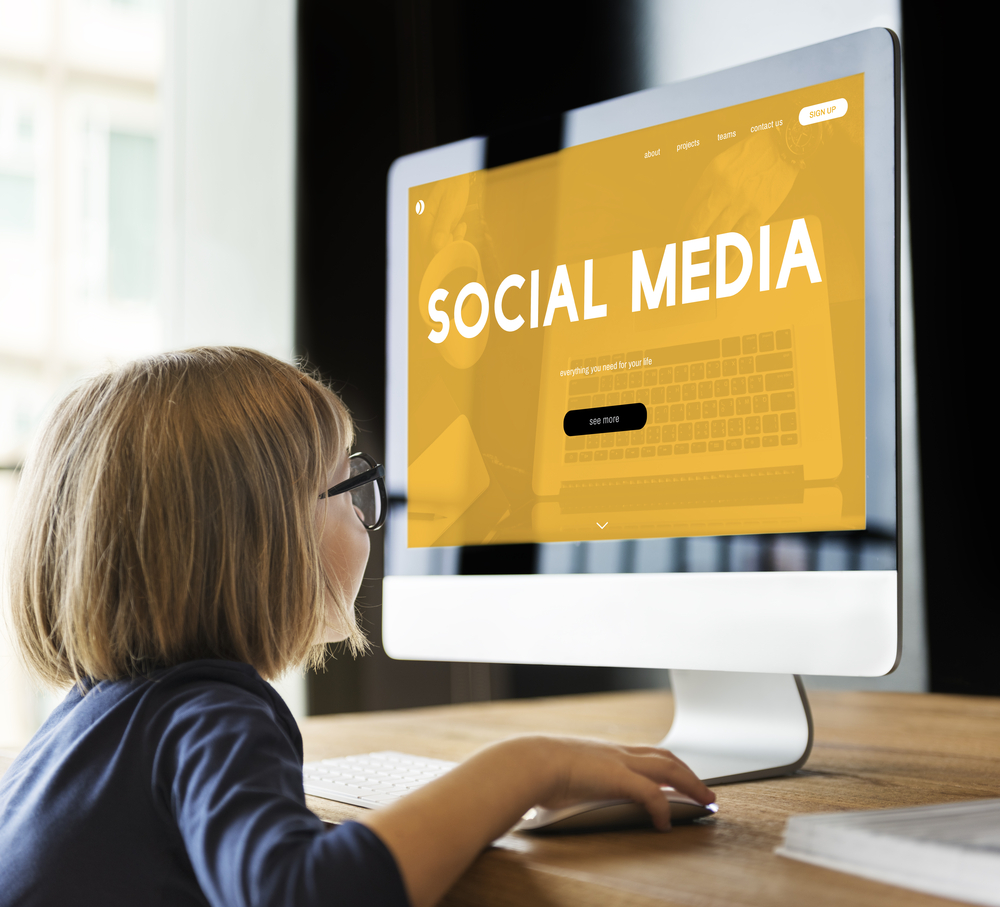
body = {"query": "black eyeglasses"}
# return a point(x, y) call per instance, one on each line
point(367, 488)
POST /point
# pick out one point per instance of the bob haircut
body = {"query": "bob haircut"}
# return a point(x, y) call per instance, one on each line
point(168, 512)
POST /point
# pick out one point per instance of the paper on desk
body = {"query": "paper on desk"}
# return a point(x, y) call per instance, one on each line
point(951, 849)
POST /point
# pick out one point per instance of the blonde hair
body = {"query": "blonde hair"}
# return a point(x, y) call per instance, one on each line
point(168, 512)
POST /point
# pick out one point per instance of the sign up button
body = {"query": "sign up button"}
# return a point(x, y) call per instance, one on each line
point(819, 112)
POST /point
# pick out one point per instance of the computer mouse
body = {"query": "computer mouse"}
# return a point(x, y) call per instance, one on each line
point(600, 815)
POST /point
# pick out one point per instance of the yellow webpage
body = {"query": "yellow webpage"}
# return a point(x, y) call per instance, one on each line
point(655, 334)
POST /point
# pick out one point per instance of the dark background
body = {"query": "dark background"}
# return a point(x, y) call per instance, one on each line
point(383, 79)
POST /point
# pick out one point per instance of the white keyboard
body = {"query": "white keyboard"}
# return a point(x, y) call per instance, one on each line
point(373, 779)
point(376, 779)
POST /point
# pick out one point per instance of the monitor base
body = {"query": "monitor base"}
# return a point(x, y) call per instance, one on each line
point(730, 726)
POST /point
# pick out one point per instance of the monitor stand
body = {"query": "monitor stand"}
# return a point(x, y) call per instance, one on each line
point(731, 726)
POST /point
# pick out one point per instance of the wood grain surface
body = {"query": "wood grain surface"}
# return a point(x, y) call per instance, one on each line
point(872, 751)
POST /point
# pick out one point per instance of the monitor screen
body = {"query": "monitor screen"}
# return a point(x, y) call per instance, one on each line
point(658, 350)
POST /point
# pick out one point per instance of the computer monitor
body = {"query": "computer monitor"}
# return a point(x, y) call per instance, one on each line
point(657, 342)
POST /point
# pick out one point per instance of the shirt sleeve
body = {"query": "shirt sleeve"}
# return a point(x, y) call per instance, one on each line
point(232, 781)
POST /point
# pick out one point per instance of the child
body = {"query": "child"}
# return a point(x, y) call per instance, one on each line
point(174, 545)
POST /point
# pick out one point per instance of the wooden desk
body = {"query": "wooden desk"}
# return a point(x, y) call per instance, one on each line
point(872, 750)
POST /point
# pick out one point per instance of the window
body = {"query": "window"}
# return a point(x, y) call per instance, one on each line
point(79, 183)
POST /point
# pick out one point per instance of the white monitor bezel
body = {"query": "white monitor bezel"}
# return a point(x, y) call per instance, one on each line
point(813, 622)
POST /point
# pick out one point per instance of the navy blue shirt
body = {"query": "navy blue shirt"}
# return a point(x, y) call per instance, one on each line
point(181, 788)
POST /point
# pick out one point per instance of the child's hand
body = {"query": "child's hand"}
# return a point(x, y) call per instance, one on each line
point(592, 770)
point(435, 832)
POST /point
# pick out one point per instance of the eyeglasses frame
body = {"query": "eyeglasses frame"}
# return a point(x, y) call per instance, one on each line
point(376, 474)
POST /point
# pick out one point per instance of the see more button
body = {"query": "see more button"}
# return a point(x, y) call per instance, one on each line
point(819, 112)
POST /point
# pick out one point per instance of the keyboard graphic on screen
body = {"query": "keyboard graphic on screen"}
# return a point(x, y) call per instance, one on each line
point(736, 393)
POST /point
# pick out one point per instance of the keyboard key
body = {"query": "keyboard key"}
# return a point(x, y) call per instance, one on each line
point(586, 456)
point(710, 409)
point(628, 397)
point(760, 403)
point(653, 434)
point(734, 444)
point(649, 377)
point(719, 428)
point(689, 392)
point(735, 427)
point(704, 389)
point(701, 429)
point(752, 425)
point(666, 374)
point(614, 398)
point(680, 449)
point(713, 369)
point(621, 382)
point(755, 383)
point(635, 378)
point(576, 443)
point(634, 355)
point(770, 440)
point(698, 447)
point(749, 344)
point(771, 422)
point(742, 406)
point(600, 455)
point(746, 365)
point(698, 371)
point(728, 366)
point(637, 437)
point(661, 413)
point(571, 457)
point(677, 412)
point(673, 393)
point(738, 386)
point(649, 451)
point(576, 363)
point(631, 453)
point(642, 395)
point(593, 441)
point(731, 346)
point(604, 360)
point(669, 433)
point(788, 422)
point(785, 400)
point(780, 381)
point(659, 394)
point(716, 446)
point(772, 362)
point(722, 387)
point(664, 450)
point(685, 431)
point(622, 438)
point(619, 452)
point(789, 439)
point(607, 383)
point(693, 411)
point(579, 402)
point(607, 440)
point(584, 385)
point(783, 340)
point(751, 442)
point(727, 407)
point(765, 341)
point(597, 400)
point(680, 374)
